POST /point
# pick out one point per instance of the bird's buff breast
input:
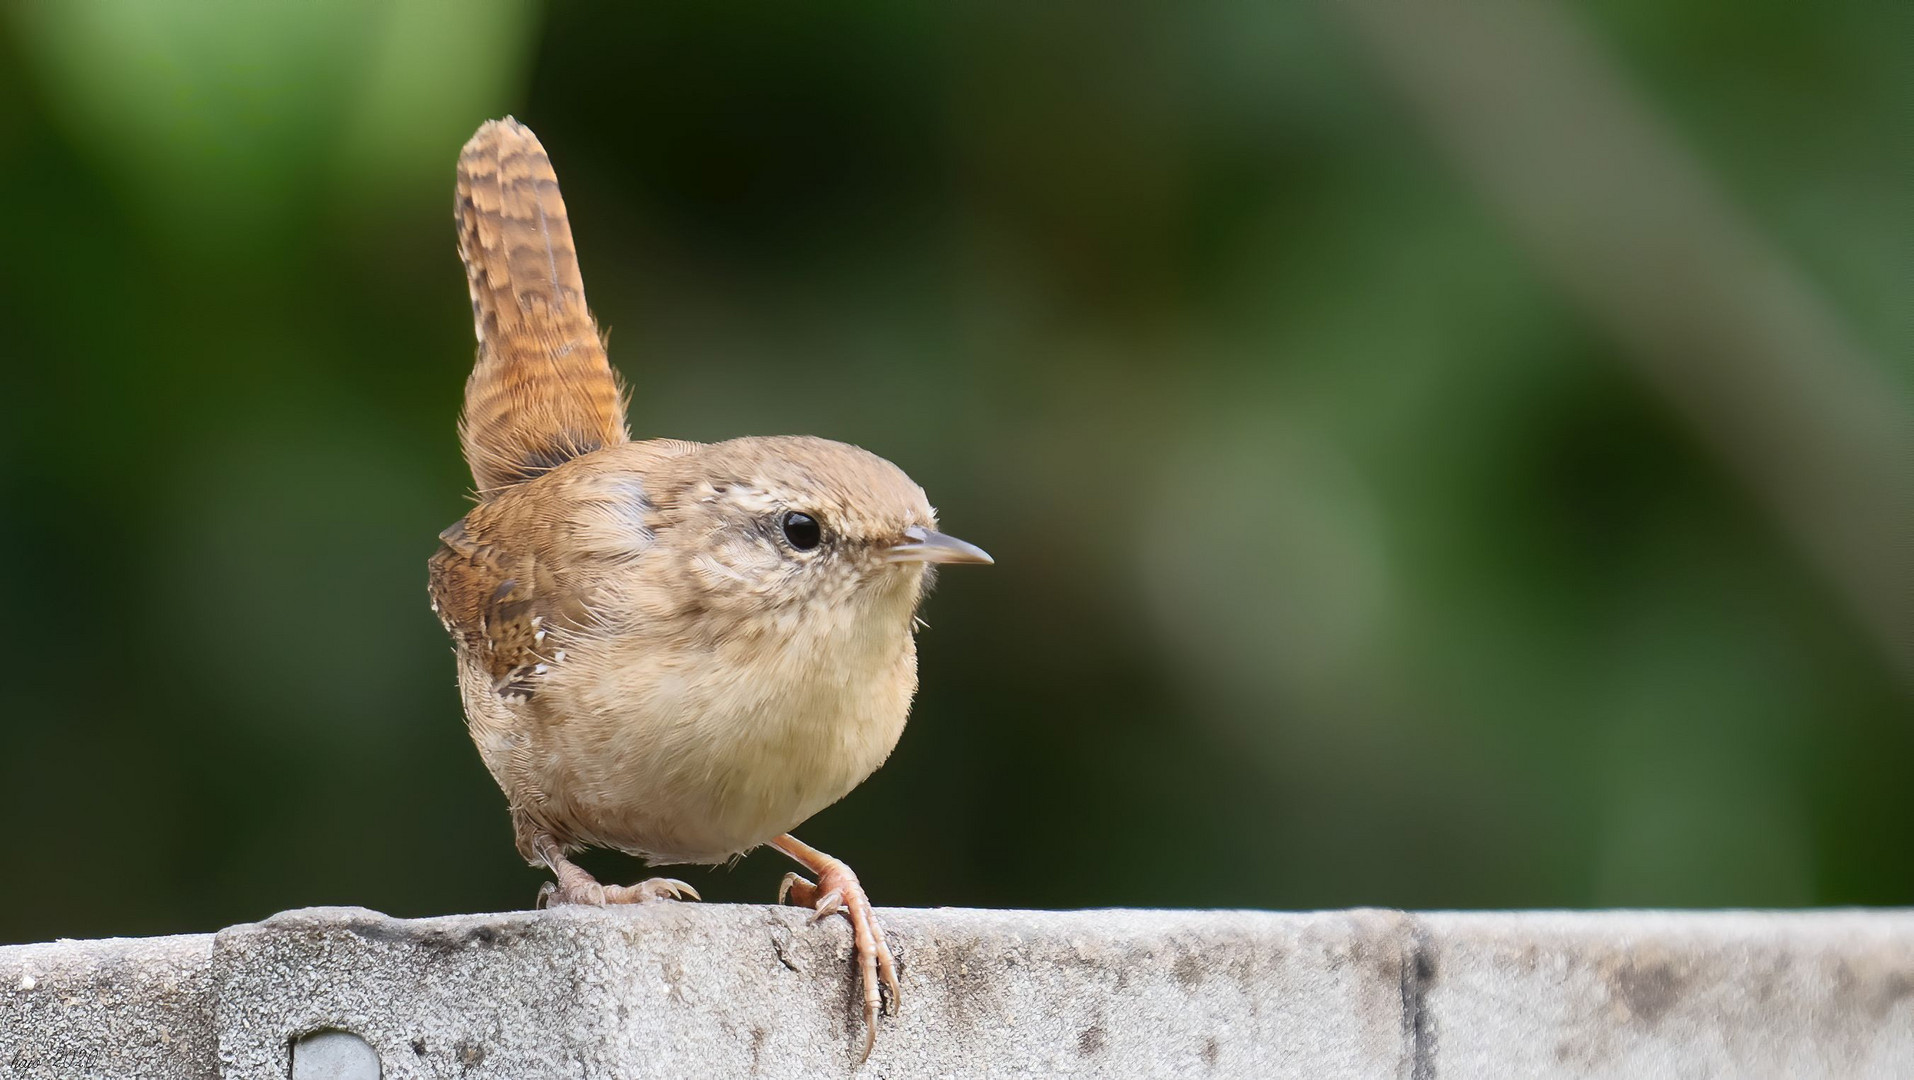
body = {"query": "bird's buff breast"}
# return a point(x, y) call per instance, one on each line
point(690, 753)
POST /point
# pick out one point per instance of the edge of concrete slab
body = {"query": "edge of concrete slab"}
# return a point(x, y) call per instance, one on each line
point(671, 989)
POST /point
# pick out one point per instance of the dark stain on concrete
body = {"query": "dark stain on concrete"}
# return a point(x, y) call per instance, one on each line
point(1899, 984)
point(1648, 988)
point(1090, 1040)
point(1189, 971)
point(1417, 975)
point(970, 973)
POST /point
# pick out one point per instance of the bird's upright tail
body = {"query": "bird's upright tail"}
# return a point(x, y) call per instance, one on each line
point(542, 390)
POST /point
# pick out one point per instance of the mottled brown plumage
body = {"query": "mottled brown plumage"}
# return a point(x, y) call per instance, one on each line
point(673, 649)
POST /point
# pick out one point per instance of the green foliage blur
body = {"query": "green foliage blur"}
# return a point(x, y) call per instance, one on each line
point(1347, 553)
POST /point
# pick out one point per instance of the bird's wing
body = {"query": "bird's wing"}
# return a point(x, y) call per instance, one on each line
point(505, 605)
point(542, 391)
point(527, 573)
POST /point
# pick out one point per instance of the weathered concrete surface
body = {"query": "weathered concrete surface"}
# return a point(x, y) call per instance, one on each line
point(683, 990)
point(715, 990)
point(119, 1007)
point(1646, 994)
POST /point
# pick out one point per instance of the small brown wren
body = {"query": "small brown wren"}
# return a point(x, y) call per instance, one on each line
point(673, 649)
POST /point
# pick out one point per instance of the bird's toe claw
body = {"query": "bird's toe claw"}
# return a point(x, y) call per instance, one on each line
point(797, 889)
point(827, 905)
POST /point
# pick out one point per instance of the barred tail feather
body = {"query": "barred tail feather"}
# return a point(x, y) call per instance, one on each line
point(542, 390)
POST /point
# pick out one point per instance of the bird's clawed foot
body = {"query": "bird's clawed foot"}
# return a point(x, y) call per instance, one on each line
point(589, 891)
point(575, 886)
point(837, 892)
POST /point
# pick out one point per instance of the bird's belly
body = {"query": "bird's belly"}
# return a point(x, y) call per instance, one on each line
point(700, 770)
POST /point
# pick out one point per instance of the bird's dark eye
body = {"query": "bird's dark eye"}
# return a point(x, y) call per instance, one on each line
point(802, 531)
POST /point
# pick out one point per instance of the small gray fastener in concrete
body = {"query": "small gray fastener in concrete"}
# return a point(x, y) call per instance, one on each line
point(334, 1055)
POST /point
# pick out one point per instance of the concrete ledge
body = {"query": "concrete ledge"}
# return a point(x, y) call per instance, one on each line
point(1621, 994)
point(719, 990)
point(116, 1007)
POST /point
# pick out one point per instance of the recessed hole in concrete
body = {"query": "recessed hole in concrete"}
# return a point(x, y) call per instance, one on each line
point(332, 1054)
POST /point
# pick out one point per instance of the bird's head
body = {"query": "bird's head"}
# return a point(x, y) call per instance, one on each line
point(804, 529)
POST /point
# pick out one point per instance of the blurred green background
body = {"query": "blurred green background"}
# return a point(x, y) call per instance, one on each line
point(1436, 454)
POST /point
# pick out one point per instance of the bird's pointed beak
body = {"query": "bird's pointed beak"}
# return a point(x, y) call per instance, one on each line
point(921, 545)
